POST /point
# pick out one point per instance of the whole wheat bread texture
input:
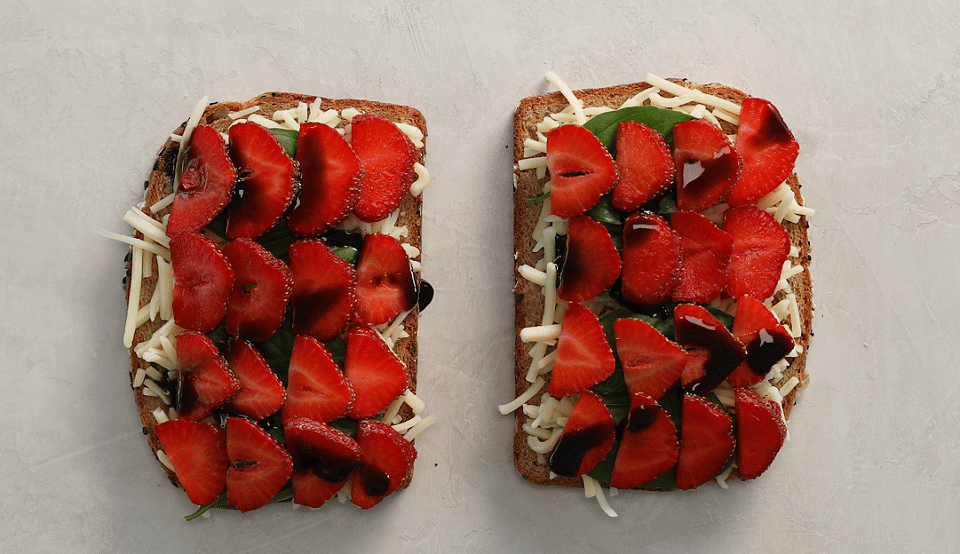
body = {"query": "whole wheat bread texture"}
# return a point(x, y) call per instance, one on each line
point(529, 296)
point(160, 185)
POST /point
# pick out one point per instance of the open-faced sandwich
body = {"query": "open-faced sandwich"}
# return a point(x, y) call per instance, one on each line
point(273, 289)
point(663, 293)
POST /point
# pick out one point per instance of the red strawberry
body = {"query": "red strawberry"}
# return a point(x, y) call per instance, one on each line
point(387, 156)
point(329, 180)
point(204, 379)
point(586, 439)
point(706, 441)
point(261, 392)
point(324, 290)
point(198, 454)
point(591, 263)
point(323, 459)
point(649, 446)
point(706, 164)
point(645, 165)
point(581, 170)
point(706, 253)
point(385, 282)
point(258, 301)
point(316, 388)
point(768, 149)
point(767, 341)
point(203, 279)
point(584, 358)
point(713, 352)
point(387, 460)
point(760, 432)
point(268, 181)
point(259, 465)
point(206, 182)
point(373, 370)
point(651, 362)
point(651, 259)
point(760, 246)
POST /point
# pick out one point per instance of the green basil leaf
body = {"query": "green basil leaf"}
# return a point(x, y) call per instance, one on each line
point(277, 240)
point(659, 119)
point(287, 139)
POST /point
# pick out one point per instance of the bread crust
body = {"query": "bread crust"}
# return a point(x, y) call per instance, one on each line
point(529, 297)
point(160, 185)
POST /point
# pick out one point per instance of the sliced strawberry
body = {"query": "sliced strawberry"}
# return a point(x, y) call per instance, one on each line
point(586, 439)
point(651, 362)
point(591, 263)
point(651, 259)
point(206, 182)
point(261, 392)
point(760, 432)
point(202, 281)
point(766, 340)
point(324, 289)
point(649, 446)
point(387, 156)
point(376, 374)
point(760, 246)
point(706, 253)
point(387, 460)
point(259, 465)
point(645, 165)
point(205, 381)
point(706, 164)
point(768, 149)
point(385, 282)
point(323, 459)
point(198, 454)
point(258, 301)
point(581, 170)
point(584, 357)
point(316, 388)
point(268, 181)
point(329, 180)
point(713, 352)
point(706, 441)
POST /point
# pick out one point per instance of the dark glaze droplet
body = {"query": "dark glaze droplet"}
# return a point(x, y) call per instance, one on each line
point(569, 452)
point(726, 352)
point(425, 295)
point(642, 417)
point(763, 352)
point(375, 482)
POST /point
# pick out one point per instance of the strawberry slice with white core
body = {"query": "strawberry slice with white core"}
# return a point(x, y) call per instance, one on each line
point(204, 378)
point(644, 163)
point(581, 170)
point(259, 465)
point(760, 246)
point(652, 255)
point(324, 289)
point(202, 282)
point(760, 432)
point(586, 439)
point(649, 446)
point(706, 441)
point(706, 164)
point(706, 253)
point(261, 392)
point(386, 285)
point(198, 454)
point(375, 373)
point(651, 362)
point(206, 183)
point(584, 357)
point(591, 263)
point(387, 460)
point(768, 149)
point(766, 340)
point(329, 180)
point(323, 459)
point(387, 156)
point(258, 301)
point(267, 181)
point(316, 387)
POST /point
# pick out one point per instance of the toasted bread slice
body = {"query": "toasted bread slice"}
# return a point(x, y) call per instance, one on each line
point(529, 297)
point(160, 186)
